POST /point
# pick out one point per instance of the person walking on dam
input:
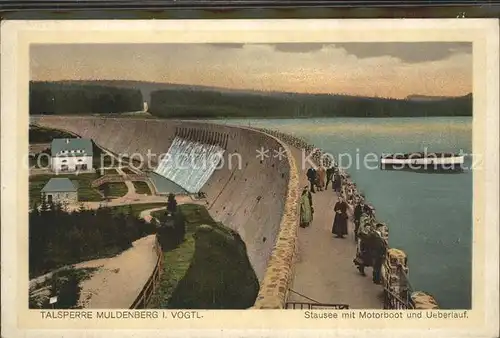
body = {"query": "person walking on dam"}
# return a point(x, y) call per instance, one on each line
point(364, 251)
point(311, 176)
point(337, 183)
point(339, 228)
point(378, 253)
point(321, 178)
point(358, 212)
point(306, 208)
point(329, 176)
point(371, 251)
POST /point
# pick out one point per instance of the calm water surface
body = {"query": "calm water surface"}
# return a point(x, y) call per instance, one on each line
point(429, 215)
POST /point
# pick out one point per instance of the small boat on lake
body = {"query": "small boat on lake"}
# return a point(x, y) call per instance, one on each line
point(420, 161)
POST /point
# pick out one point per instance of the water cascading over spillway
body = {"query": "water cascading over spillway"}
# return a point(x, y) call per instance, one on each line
point(190, 164)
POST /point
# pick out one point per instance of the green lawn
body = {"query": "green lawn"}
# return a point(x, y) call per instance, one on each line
point(136, 209)
point(141, 187)
point(103, 160)
point(110, 171)
point(209, 270)
point(85, 190)
point(115, 189)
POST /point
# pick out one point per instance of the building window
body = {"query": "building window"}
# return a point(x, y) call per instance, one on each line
point(80, 160)
point(64, 161)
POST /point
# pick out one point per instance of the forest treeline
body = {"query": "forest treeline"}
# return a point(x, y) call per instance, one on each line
point(75, 98)
point(176, 101)
point(58, 238)
point(183, 103)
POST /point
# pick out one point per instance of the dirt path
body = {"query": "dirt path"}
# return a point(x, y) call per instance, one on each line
point(136, 199)
point(146, 214)
point(324, 270)
point(119, 279)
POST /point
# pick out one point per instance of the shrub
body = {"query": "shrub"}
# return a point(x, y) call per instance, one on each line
point(64, 284)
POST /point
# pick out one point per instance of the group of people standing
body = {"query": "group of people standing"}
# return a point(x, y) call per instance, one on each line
point(371, 247)
point(320, 179)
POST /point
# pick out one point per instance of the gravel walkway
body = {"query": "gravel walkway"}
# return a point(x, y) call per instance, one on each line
point(324, 270)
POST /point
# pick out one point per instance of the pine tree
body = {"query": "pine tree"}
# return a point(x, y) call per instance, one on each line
point(105, 191)
point(179, 227)
point(67, 289)
point(36, 210)
point(44, 205)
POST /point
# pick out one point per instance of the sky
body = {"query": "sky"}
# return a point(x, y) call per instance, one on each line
point(366, 69)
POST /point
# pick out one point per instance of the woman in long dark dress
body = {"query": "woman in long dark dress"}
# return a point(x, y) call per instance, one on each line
point(339, 228)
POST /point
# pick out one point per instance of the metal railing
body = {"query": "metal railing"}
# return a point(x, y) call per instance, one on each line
point(153, 282)
point(394, 301)
point(313, 306)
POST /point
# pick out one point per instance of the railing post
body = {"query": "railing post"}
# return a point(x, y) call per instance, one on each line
point(395, 272)
point(149, 288)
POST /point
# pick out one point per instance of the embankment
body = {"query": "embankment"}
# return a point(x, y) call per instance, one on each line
point(253, 196)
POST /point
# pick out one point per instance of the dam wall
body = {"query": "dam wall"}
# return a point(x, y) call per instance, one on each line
point(255, 196)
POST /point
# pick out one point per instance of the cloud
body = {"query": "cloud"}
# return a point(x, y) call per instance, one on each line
point(408, 52)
